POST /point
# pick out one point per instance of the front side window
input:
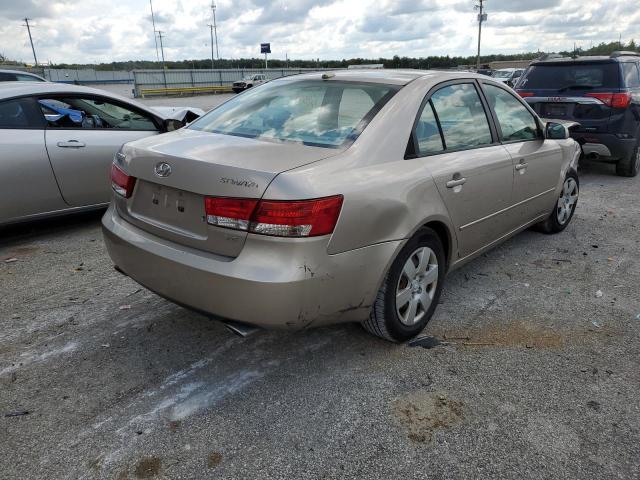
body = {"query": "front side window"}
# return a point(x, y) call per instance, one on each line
point(93, 113)
point(319, 113)
point(515, 121)
point(462, 117)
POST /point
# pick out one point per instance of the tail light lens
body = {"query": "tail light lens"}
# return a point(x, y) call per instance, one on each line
point(614, 100)
point(524, 94)
point(280, 218)
point(121, 183)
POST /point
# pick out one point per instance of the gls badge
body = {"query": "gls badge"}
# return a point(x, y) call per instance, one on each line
point(162, 169)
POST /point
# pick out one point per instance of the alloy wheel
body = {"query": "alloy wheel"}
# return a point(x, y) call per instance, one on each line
point(417, 286)
point(567, 201)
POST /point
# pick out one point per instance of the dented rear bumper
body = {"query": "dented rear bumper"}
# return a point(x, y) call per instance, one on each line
point(273, 283)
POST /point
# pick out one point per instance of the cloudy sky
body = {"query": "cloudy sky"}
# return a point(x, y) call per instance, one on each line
point(87, 31)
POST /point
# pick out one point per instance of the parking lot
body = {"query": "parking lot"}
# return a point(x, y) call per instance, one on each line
point(536, 374)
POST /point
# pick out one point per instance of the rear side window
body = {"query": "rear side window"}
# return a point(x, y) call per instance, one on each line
point(462, 117)
point(427, 132)
point(631, 75)
point(27, 78)
point(19, 113)
point(515, 121)
point(7, 77)
point(577, 76)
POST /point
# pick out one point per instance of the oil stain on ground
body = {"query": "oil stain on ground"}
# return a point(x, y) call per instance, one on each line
point(422, 413)
point(214, 459)
point(148, 467)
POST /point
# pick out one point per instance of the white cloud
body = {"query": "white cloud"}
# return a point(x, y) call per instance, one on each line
point(101, 31)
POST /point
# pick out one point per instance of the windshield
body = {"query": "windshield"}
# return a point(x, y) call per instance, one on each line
point(318, 113)
point(502, 74)
point(572, 76)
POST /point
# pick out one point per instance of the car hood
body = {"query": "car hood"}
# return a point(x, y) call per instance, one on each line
point(187, 114)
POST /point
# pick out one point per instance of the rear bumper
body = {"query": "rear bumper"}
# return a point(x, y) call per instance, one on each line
point(275, 283)
point(605, 145)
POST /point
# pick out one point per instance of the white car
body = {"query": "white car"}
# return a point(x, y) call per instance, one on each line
point(508, 76)
point(57, 143)
point(249, 81)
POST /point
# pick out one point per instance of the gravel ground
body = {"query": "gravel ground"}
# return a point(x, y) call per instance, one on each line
point(538, 376)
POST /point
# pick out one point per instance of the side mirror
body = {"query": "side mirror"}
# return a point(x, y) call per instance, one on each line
point(556, 131)
point(171, 124)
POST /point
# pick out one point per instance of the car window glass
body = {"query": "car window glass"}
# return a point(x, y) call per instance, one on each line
point(27, 78)
point(7, 77)
point(18, 113)
point(575, 76)
point(516, 122)
point(354, 105)
point(92, 113)
point(462, 117)
point(631, 75)
point(427, 133)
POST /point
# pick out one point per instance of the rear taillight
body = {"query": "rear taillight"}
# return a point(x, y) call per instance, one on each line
point(524, 94)
point(614, 100)
point(121, 183)
point(281, 218)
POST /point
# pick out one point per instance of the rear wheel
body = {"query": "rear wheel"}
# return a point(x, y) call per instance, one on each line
point(629, 167)
point(565, 207)
point(410, 291)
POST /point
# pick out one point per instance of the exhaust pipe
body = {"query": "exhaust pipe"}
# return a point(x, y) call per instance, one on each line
point(241, 329)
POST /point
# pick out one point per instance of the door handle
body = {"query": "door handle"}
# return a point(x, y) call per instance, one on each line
point(456, 183)
point(71, 144)
point(521, 165)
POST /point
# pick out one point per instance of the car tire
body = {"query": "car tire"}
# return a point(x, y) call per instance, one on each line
point(629, 167)
point(416, 278)
point(565, 206)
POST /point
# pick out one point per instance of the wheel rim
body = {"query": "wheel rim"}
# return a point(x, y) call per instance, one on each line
point(567, 201)
point(417, 286)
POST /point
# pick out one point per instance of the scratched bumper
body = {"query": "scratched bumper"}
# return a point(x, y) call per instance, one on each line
point(273, 283)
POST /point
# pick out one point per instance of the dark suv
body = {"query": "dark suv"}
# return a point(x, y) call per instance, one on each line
point(602, 94)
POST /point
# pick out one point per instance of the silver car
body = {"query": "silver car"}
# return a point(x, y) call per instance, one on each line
point(337, 197)
point(57, 143)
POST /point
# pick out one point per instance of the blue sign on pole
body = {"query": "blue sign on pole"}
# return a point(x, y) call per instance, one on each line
point(265, 48)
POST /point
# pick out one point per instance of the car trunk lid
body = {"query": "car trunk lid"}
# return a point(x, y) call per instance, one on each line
point(176, 171)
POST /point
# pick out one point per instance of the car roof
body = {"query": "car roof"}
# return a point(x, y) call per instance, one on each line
point(586, 59)
point(23, 89)
point(390, 77)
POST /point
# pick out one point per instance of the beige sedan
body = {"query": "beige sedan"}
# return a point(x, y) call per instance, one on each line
point(337, 197)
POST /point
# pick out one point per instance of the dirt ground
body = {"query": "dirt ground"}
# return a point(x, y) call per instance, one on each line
point(537, 374)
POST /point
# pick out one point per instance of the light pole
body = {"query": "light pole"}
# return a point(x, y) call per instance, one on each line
point(26, 24)
point(153, 21)
point(215, 30)
point(482, 17)
point(211, 31)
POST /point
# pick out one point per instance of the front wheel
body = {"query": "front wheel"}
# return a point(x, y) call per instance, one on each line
point(565, 207)
point(410, 292)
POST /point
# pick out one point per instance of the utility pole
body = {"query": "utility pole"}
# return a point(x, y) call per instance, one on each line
point(153, 21)
point(26, 24)
point(482, 17)
point(215, 29)
point(161, 46)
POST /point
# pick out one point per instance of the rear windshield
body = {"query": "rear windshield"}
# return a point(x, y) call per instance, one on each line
point(319, 113)
point(577, 76)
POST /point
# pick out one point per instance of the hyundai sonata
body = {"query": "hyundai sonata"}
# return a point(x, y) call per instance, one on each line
point(337, 197)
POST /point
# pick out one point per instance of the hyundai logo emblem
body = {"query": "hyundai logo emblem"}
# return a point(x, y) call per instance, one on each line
point(162, 169)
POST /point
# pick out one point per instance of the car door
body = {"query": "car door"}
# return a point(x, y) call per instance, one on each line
point(473, 172)
point(28, 184)
point(537, 162)
point(82, 136)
